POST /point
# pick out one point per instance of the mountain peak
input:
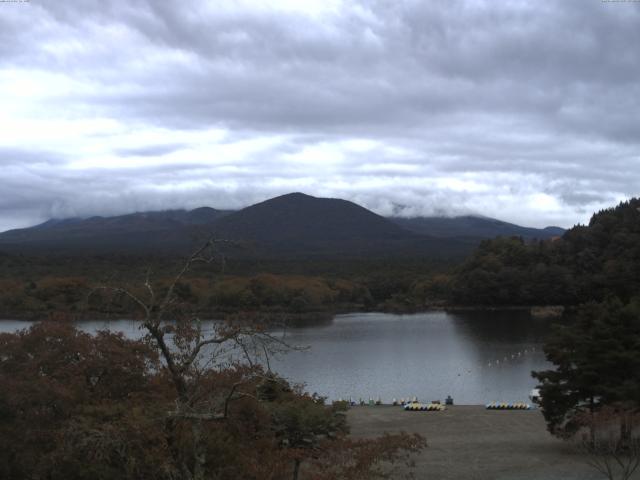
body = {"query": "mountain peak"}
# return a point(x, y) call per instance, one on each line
point(297, 219)
point(293, 197)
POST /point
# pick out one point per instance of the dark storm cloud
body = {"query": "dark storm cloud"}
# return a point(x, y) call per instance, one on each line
point(522, 110)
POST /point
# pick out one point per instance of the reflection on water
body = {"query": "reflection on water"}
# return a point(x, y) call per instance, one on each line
point(476, 357)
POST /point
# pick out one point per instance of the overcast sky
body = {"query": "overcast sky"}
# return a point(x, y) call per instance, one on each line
point(528, 111)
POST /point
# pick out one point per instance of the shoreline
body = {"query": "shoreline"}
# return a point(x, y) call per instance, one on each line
point(302, 318)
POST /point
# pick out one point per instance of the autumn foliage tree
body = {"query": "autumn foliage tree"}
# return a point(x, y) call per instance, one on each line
point(57, 382)
point(185, 402)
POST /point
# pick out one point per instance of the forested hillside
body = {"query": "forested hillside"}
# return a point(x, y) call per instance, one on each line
point(587, 263)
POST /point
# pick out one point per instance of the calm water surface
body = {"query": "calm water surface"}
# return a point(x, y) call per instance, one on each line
point(476, 357)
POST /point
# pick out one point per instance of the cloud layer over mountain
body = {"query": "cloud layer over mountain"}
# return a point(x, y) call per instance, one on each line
point(522, 110)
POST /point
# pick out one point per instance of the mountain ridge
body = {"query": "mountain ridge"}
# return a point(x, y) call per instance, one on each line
point(474, 226)
point(291, 224)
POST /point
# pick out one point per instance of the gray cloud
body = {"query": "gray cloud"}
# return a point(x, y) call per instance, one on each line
point(527, 111)
point(149, 150)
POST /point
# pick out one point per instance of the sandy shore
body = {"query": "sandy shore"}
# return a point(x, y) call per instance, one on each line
point(469, 442)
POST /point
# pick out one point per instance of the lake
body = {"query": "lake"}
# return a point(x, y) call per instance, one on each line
point(476, 357)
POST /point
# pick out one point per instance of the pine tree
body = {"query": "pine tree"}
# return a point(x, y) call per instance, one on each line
point(597, 361)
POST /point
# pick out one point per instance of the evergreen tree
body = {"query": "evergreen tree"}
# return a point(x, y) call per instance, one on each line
point(597, 361)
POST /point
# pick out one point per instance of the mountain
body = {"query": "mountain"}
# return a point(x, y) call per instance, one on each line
point(301, 225)
point(293, 225)
point(470, 226)
point(302, 218)
point(156, 230)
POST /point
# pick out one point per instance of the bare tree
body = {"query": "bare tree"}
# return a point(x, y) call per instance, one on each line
point(189, 352)
point(207, 369)
point(612, 441)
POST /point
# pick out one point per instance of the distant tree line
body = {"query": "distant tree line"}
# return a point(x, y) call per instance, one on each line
point(40, 297)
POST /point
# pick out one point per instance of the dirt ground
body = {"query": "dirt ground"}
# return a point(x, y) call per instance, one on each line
point(470, 442)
